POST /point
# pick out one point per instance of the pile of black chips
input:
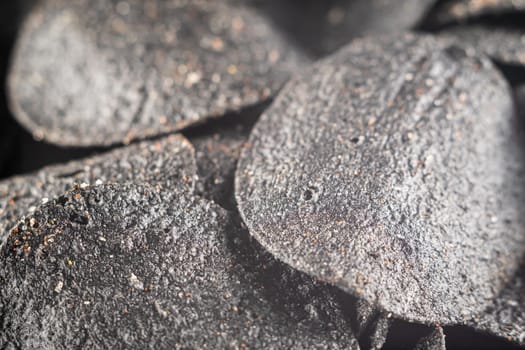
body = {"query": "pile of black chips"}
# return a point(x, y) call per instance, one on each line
point(262, 174)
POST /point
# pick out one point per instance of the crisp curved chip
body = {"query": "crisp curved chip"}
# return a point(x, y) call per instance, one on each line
point(167, 162)
point(137, 266)
point(96, 73)
point(505, 316)
point(391, 170)
point(506, 45)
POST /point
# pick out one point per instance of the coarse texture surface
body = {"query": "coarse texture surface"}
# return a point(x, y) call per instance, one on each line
point(434, 341)
point(365, 313)
point(462, 10)
point(506, 45)
point(107, 71)
point(324, 26)
point(166, 162)
point(379, 332)
point(216, 155)
point(136, 266)
point(391, 169)
point(505, 315)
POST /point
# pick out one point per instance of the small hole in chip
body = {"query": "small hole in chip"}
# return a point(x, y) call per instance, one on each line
point(308, 195)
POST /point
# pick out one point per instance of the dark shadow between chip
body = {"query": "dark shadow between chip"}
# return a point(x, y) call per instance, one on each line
point(424, 21)
point(304, 28)
point(246, 117)
point(29, 155)
point(19, 151)
point(514, 73)
point(217, 144)
point(511, 19)
point(405, 335)
point(9, 17)
point(462, 337)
